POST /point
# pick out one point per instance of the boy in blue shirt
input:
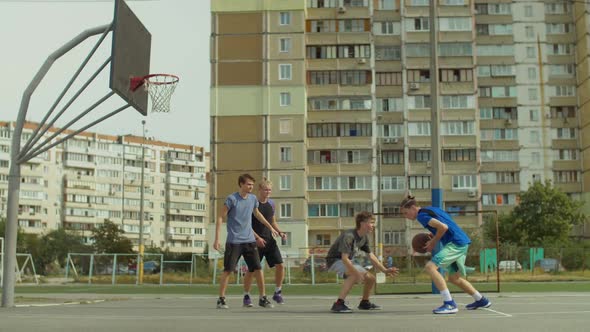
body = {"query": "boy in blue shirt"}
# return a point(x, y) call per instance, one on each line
point(451, 257)
point(241, 241)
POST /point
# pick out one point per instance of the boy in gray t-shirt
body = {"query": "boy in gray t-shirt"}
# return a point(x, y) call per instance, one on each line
point(339, 260)
point(241, 239)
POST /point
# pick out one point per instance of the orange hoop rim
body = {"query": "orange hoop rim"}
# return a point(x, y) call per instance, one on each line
point(136, 82)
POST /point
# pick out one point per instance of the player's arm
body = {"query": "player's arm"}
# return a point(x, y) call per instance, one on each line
point(391, 271)
point(263, 220)
point(218, 223)
point(441, 229)
point(275, 225)
point(259, 240)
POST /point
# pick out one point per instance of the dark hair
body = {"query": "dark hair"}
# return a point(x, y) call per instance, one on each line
point(244, 177)
point(362, 217)
point(408, 202)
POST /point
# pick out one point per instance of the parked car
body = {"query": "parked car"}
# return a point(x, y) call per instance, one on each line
point(319, 263)
point(509, 266)
point(149, 267)
point(549, 265)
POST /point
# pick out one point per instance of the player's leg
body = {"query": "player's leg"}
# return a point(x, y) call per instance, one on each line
point(340, 306)
point(442, 259)
point(369, 284)
point(230, 261)
point(247, 301)
point(273, 257)
point(458, 270)
point(252, 258)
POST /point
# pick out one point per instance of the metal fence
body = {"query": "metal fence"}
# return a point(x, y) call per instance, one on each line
point(486, 266)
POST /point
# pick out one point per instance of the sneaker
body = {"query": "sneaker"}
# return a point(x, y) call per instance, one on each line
point(366, 305)
point(278, 298)
point(247, 301)
point(221, 303)
point(448, 307)
point(265, 303)
point(482, 303)
point(340, 307)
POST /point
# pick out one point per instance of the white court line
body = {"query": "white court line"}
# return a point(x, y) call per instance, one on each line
point(553, 313)
point(57, 304)
point(498, 312)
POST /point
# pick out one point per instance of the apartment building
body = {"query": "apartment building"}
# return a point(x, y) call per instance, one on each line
point(92, 178)
point(353, 80)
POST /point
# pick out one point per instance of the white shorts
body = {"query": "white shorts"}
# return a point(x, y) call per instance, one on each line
point(340, 268)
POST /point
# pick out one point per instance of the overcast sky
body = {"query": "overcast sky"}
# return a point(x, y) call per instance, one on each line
point(30, 30)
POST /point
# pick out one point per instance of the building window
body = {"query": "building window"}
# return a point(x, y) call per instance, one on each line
point(419, 182)
point(284, 18)
point(284, 45)
point(286, 154)
point(285, 126)
point(285, 99)
point(529, 31)
point(530, 52)
point(390, 78)
point(533, 94)
point(419, 155)
point(386, 28)
point(419, 76)
point(322, 239)
point(418, 24)
point(386, 4)
point(528, 11)
point(285, 182)
point(323, 210)
point(532, 73)
point(392, 157)
point(284, 71)
point(394, 238)
point(534, 115)
point(464, 181)
point(285, 210)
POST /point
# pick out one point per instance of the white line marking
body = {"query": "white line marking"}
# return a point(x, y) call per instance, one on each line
point(498, 312)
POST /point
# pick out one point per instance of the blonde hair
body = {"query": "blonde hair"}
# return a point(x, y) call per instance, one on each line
point(264, 183)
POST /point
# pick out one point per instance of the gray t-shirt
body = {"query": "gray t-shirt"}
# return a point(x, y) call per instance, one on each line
point(239, 218)
point(349, 242)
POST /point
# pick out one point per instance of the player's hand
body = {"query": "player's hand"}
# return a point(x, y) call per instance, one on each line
point(216, 245)
point(283, 235)
point(274, 233)
point(260, 242)
point(392, 271)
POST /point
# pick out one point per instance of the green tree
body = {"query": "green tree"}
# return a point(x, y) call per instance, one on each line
point(51, 250)
point(108, 238)
point(21, 239)
point(544, 217)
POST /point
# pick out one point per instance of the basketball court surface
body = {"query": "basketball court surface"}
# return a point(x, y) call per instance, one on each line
point(509, 312)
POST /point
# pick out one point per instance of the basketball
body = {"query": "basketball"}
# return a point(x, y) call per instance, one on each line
point(419, 242)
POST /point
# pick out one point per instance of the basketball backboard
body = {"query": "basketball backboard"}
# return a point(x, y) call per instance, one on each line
point(130, 56)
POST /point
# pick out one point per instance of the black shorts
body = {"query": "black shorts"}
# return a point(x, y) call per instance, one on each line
point(233, 252)
point(271, 252)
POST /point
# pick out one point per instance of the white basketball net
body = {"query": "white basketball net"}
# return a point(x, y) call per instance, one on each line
point(160, 88)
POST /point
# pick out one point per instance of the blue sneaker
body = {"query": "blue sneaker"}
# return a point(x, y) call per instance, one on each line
point(448, 307)
point(482, 303)
point(247, 301)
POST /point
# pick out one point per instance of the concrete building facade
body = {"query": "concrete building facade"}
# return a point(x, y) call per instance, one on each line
point(93, 177)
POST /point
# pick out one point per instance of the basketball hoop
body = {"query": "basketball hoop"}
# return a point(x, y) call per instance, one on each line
point(160, 88)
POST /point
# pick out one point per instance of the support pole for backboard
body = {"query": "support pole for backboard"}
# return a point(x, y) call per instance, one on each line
point(15, 171)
